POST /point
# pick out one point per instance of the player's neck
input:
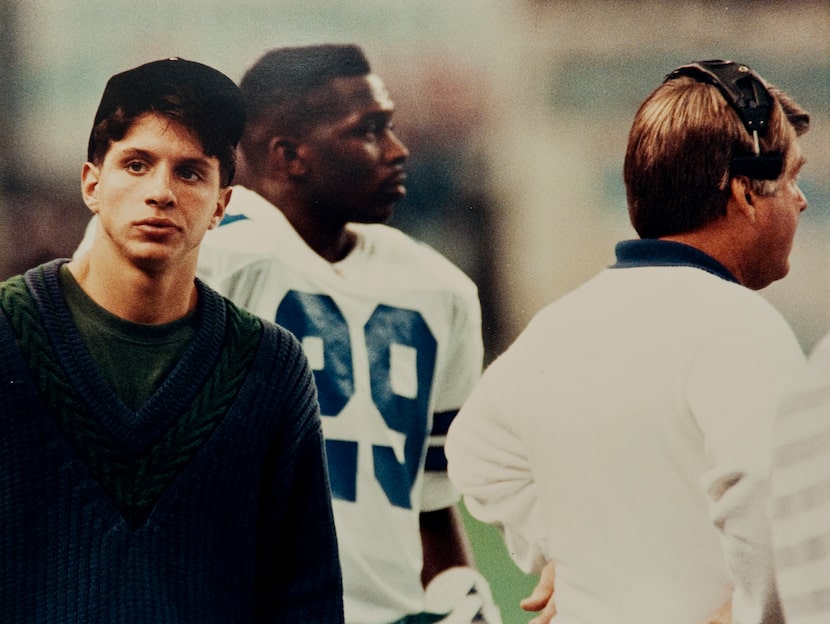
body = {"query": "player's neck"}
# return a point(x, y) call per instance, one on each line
point(331, 244)
point(330, 239)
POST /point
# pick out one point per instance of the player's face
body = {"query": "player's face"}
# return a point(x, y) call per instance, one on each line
point(355, 160)
point(777, 218)
point(156, 194)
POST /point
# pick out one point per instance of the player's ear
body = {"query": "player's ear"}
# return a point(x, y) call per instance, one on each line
point(286, 155)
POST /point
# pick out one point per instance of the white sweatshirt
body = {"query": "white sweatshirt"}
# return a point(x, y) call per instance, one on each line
point(626, 436)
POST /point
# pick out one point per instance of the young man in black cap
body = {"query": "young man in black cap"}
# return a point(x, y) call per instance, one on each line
point(162, 454)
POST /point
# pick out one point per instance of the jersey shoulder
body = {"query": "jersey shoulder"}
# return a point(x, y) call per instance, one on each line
point(249, 226)
point(252, 233)
point(414, 261)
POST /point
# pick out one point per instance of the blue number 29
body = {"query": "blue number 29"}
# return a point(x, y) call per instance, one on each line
point(388, 331)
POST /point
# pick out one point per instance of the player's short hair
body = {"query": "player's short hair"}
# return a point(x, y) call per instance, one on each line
point(199, 97)
point(681, 144)
point(279, 90)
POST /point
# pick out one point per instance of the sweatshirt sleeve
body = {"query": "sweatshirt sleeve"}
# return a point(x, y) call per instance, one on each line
point(488, 465)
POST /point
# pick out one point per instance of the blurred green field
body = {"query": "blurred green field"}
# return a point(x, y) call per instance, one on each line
point(509, 584)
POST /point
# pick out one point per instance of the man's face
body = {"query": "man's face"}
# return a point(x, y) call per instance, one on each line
point(355, 160)
point(156, 194)
point(777, 219)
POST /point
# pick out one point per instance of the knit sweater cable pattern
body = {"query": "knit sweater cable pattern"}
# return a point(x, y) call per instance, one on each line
point(133, 456)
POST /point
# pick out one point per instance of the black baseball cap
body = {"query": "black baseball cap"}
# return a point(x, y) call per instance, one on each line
point(213, 100)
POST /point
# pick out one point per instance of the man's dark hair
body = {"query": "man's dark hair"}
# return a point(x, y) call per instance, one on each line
point(283, 79)
point(284, 92)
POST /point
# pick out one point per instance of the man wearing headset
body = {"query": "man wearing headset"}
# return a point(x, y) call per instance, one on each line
point(625, 436)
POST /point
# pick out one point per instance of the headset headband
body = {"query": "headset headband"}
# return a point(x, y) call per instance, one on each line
point(747, 93)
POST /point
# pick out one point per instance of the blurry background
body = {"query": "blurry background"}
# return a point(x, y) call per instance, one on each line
point(516, 113)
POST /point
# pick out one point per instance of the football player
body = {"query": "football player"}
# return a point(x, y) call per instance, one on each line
point(392, 329)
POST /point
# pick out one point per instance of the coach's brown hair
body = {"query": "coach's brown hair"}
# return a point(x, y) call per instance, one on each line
point(681, 142)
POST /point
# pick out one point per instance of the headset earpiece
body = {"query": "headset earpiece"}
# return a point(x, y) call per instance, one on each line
point(747, 93)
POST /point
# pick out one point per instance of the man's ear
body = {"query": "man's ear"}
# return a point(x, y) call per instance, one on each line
point(221, 206)
point(287, 155)
point(89, 185)
point(742, 197)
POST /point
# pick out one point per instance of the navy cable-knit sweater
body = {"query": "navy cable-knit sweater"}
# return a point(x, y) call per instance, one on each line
point(209, 504)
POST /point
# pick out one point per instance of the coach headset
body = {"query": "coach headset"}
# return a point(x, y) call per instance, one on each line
point(746, 92)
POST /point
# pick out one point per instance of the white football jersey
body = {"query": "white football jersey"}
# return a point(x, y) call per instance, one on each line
point(393, 334)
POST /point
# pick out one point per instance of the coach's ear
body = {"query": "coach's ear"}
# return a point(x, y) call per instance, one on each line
point(286, 155)
point(742, 198)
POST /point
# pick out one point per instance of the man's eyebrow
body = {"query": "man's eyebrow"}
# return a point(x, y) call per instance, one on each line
point(378, 115)
point(135, 152)
point(196, 161)
point(188, 161)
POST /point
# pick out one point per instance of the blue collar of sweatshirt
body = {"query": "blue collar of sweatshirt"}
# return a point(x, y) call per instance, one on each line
point(654, 252)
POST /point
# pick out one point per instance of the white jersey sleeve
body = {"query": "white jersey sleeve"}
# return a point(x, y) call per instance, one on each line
point(459, 377)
